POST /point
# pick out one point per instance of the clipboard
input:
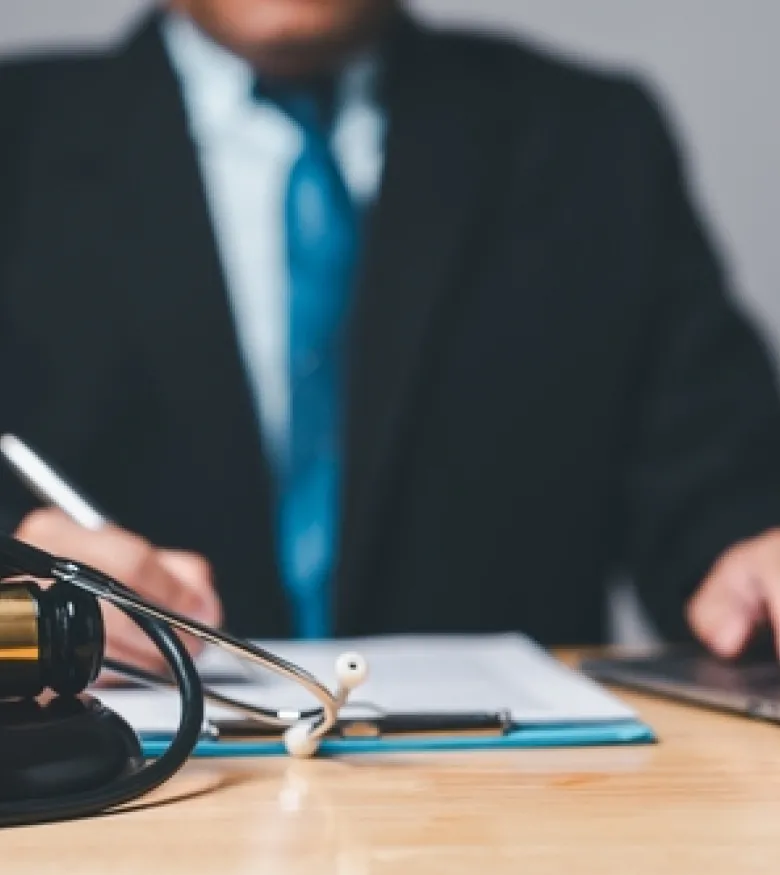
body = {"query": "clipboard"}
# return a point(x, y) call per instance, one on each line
point(619, 732)
point(455, 692)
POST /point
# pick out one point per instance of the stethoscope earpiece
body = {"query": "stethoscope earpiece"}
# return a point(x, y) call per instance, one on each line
point(302, 739)
point(351, 671)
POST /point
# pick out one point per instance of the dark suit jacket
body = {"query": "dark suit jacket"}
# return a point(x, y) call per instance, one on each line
point(548, 383)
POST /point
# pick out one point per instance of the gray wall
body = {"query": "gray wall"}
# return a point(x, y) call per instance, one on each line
point(714, 62)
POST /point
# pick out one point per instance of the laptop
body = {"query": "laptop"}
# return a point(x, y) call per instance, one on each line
point(748, 685)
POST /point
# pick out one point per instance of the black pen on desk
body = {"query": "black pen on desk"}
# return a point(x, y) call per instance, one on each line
point(47, 485)
point(386, 726)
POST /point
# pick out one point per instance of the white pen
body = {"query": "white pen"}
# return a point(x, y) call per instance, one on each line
point(47, 484)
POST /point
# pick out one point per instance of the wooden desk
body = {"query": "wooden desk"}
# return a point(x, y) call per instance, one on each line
point(704, 800)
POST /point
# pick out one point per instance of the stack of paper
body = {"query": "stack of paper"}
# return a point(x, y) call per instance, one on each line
point(410, 674)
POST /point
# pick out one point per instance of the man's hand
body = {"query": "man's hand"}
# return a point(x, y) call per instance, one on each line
point(174, 579)
point(741, 593)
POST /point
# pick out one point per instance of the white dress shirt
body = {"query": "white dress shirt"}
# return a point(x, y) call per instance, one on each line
point(246, 149)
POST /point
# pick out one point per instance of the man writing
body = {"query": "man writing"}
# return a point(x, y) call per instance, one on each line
point(365, 328)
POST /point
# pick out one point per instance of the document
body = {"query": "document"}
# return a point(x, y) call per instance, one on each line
point(409, 674)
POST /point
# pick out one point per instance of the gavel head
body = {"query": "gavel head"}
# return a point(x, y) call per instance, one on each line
point(50, 639)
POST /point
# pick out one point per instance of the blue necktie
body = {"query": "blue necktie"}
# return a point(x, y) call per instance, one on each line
point(321, 227)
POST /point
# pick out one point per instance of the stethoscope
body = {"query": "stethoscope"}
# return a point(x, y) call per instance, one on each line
point(303, 730)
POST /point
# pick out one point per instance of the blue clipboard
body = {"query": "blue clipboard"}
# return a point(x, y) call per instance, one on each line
point(621, 732)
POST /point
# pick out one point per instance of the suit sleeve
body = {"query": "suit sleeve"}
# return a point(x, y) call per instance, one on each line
point(20, 85)
point(704, 460)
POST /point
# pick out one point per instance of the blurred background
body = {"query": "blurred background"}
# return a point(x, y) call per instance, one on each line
point(713, 63)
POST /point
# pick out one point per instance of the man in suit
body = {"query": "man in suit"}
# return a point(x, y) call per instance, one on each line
point(356, 327)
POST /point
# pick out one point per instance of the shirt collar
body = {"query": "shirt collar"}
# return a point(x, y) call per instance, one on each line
point(218, 83)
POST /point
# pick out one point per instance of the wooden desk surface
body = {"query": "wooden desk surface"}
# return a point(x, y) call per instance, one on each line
point(706, 799)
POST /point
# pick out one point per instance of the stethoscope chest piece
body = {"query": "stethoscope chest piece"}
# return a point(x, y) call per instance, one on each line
point(72, 745)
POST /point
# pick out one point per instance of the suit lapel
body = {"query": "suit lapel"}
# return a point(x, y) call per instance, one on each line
point(179, 292)
point(440, 174)
point(183, 310)
point(130, 129)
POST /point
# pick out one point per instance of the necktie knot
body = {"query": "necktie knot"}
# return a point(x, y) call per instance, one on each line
point(311, 104)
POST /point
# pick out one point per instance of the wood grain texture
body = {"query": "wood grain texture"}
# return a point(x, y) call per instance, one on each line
point(706, 799)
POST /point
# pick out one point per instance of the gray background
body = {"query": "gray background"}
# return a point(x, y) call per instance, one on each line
point(713, 62)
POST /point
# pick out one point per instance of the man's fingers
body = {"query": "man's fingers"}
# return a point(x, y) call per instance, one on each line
point(176, 580)
point(152, 580)
point(768, 584)
point(126, 642)
point(741, 593)
point(724, 613)
point(57, 533)
point(190, 567)
point(195, 573)
point(127, 557)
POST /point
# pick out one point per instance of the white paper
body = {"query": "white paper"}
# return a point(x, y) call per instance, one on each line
point(442, 674)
